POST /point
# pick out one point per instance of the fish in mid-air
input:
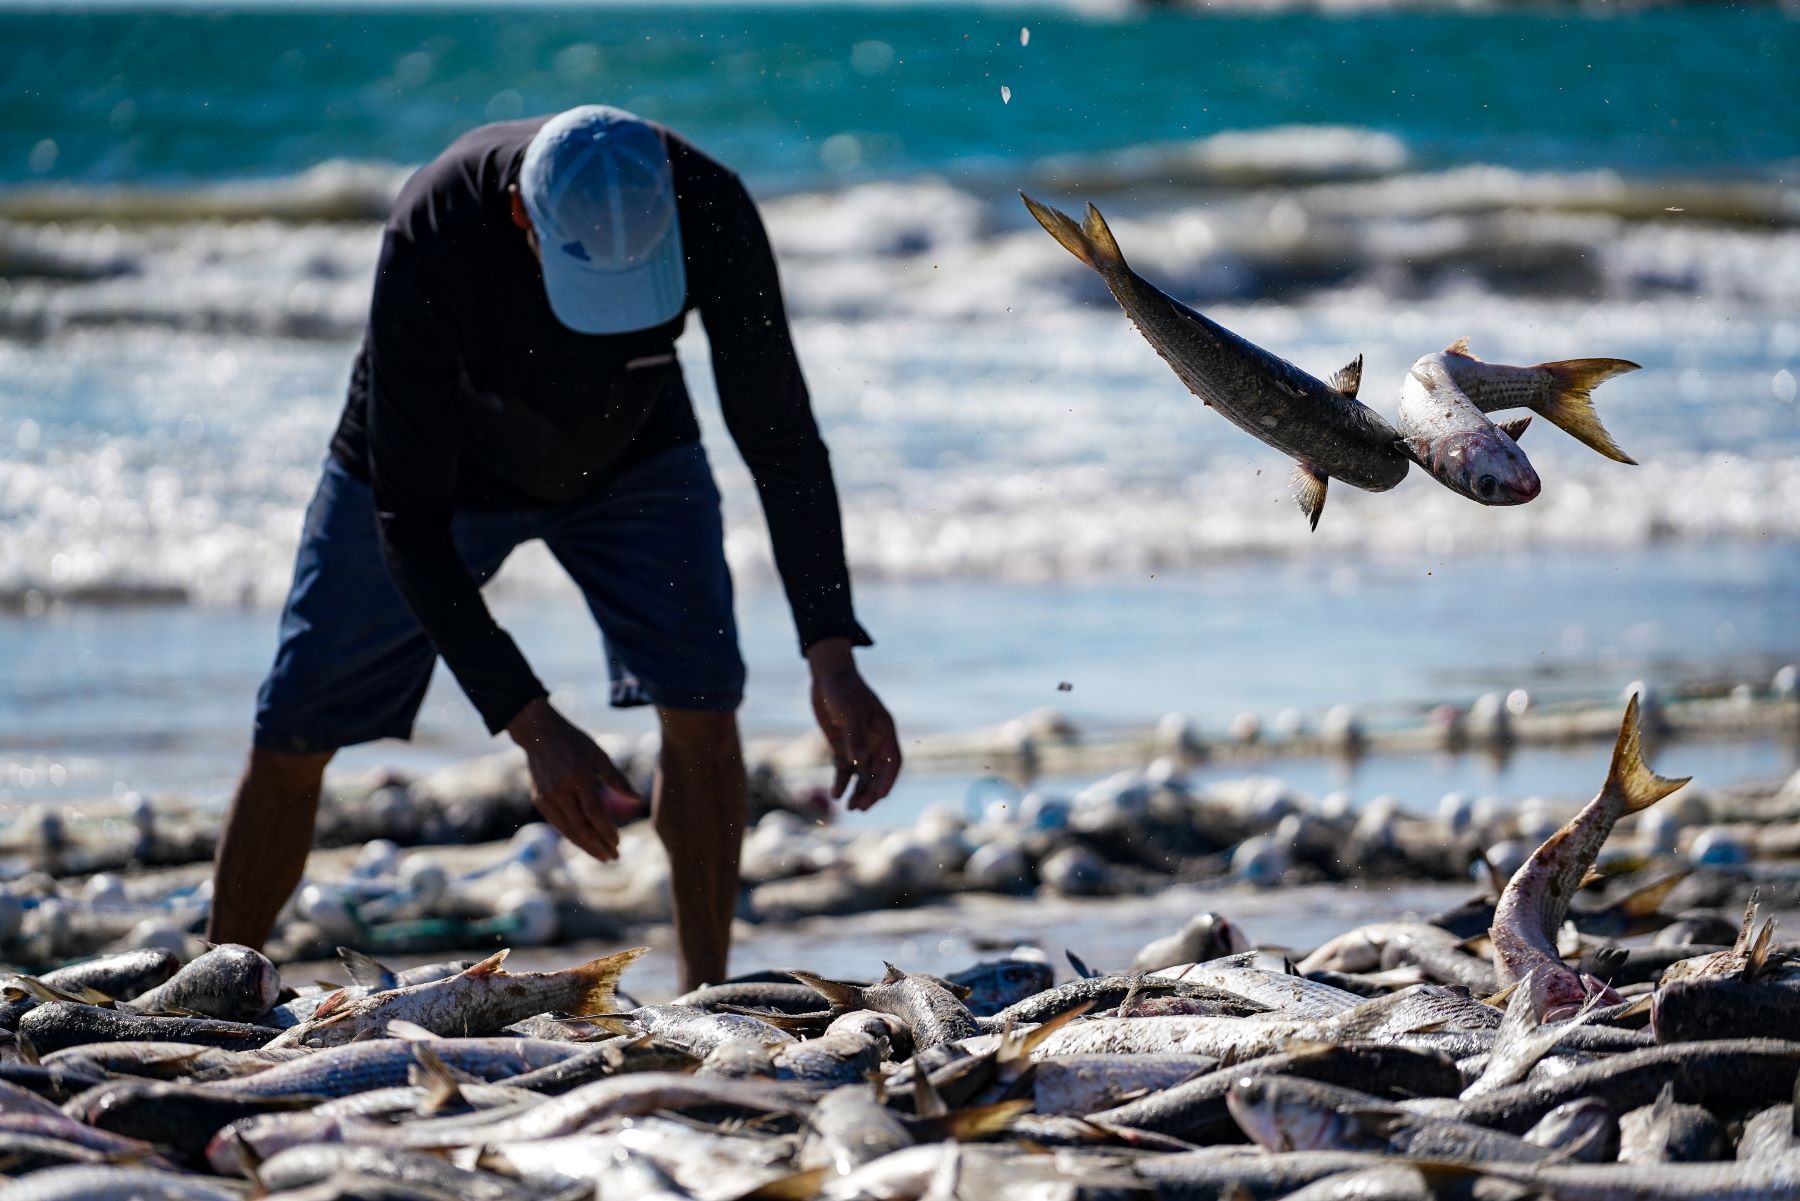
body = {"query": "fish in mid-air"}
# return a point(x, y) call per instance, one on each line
point(1454, 440)
point(1327, 431)
point(1536, 899)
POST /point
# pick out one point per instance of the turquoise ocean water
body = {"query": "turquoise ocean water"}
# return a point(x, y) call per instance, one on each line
point(189, 204)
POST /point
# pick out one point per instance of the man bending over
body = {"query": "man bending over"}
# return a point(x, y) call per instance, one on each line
point(518, 380)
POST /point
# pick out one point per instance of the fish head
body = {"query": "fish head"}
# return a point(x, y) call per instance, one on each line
point(1484, 464)
point(1586, 1130)
point(248, 1141)
point(1564, 994)
point(1277, 1122)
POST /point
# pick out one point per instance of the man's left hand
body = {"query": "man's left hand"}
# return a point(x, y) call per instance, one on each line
point(864, 746)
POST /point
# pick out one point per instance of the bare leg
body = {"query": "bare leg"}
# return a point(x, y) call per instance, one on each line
point(699, 814)
point(262, 849)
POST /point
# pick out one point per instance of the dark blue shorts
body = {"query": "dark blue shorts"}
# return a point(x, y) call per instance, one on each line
point(648, 553)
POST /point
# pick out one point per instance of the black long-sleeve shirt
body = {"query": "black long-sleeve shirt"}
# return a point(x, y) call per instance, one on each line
point(468, 392)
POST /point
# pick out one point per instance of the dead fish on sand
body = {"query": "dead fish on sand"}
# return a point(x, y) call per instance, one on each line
point(1327, 431)
point(481, 1000)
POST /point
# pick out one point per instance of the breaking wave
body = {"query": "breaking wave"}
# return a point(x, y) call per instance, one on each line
point(171, 362)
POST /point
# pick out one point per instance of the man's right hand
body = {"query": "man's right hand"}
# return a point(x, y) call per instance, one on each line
point(570, 776)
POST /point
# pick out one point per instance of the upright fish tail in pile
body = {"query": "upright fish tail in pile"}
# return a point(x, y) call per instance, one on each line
point(1536, 899)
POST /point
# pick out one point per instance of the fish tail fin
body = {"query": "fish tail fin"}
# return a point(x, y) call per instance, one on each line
point(1628, 776)
point(1572, 407)
point(1091, 242)
point(598, 978)
point(1100, 237)
point(834, 991)
point(1062, 227)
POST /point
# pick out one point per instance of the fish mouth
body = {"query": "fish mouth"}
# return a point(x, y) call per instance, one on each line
point(1525, 490)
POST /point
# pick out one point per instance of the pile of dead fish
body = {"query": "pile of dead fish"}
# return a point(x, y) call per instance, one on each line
point(1504, 1049)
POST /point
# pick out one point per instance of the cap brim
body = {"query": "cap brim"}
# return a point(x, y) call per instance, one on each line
point(596, 301)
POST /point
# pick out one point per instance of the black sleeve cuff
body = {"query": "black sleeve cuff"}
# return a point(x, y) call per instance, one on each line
point(813, 633)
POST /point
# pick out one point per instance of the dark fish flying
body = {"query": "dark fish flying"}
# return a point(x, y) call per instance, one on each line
point(1322, 426)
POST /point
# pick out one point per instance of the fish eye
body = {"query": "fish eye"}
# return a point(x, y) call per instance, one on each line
point(1486, 485)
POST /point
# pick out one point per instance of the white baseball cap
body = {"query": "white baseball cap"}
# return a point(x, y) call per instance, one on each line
point(598, 187)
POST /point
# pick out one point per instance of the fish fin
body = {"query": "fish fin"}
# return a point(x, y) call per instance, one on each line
point(1757, 962)
point(894, 975)
point(1100, 237)
point(1309, 491)
point(442, 1088)
point(332, 1004)
point(801, 1186)
point(961, 992)
point(598, 977)
point(1501, 999)
point(1032, 1039)
point(1647, 901)
point(1628, 776)
point(39, 991)
point(1378, 1122)
point(365, 970)
point(1603, 962)
point(781, 1021)
point(1515, 428)
point(1571, 409)
point(1081, 969)
point(249, 1162)
point(1062, 227)
point(927, 1101)
point(1448, 1178)
point(1742, 944)
point(980, 1121)
point(836, 991)
point(489, 966)
point(1590, 878)
point(1461, 347)
point(1348, 378)
point(411, 1031)
point(27, 1050)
